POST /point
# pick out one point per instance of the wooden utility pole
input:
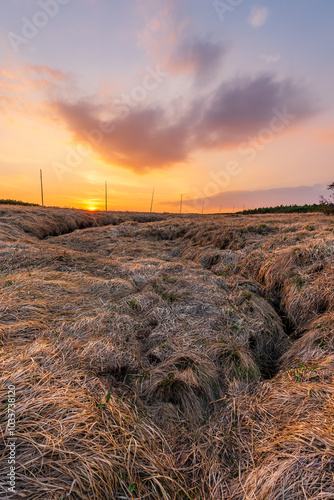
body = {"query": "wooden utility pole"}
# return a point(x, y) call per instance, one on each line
point(181, 201)
point(42, 191)
point(106, 196)
point(203, 206)
point(220, 210)
point(152, 201)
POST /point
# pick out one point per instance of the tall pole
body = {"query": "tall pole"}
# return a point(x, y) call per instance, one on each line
point(152, 201)
point(181, 203)
point(42, 193)
point(106, 196)
point(203, 206)
point(220, 210)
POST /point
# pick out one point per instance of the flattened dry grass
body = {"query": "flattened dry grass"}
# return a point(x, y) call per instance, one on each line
point(74, 437)
point(18, 221)
point(168, 357)
point(292, 423)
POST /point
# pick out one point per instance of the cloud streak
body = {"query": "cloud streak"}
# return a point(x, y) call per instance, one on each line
point(271, 58)
point(258, 16)
point(263, 197)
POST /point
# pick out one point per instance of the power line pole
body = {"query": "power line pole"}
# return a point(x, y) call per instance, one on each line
point(42, 191)
point(220, 210)
point(152, 200)
point(106, 196)
point(203, 206)
point(181, 201)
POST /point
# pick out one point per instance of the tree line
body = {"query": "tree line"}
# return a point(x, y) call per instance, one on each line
point(325, 205)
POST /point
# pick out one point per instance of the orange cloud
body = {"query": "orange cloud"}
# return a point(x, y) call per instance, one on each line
point(7, 73)
point(51, 72)
point(26, 88)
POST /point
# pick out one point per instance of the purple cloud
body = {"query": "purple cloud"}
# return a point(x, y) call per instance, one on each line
point(241, 108)
point(201, 58)
point(142, 139)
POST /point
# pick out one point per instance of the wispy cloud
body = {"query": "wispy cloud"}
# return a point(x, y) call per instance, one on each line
point(164, 25)
point(271, 58)
point(25, 89)
point(53, 74)
point(258, 16)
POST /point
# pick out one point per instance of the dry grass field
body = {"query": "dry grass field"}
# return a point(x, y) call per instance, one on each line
point(173, 357)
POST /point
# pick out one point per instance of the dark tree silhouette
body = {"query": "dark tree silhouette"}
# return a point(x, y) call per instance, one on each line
point(328, 203)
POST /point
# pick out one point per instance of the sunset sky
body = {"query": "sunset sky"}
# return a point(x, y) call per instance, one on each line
point(229, 101)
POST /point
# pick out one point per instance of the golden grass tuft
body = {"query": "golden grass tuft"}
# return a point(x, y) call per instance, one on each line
point(235, 361)
point(187, 381)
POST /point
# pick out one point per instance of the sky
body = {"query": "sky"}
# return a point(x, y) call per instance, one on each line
point(227, 102)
